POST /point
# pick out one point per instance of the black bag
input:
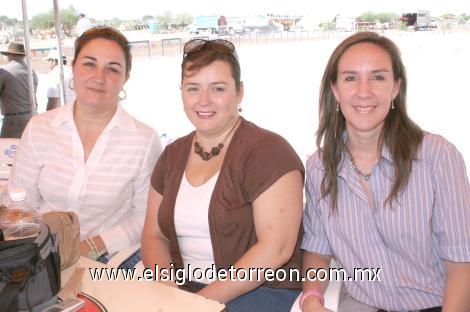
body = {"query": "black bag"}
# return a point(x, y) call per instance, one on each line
point(29, 272)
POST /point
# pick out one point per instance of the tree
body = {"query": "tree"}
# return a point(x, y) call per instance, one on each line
point(165, 20)
point(68, 18)
point(147, 18)
point(115, 22)
point(370, 16)
point(387, 17)
point(183, 19)
point(6, 21)
point(463, 18)
point(45, 21)
point(329, 25)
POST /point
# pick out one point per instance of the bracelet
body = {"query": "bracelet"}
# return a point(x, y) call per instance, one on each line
point(309, 293)
point(93, 254)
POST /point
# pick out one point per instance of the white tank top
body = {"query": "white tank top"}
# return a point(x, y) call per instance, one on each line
point(192, 224)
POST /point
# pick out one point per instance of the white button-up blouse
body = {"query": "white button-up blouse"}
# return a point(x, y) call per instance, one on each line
point(108, 191)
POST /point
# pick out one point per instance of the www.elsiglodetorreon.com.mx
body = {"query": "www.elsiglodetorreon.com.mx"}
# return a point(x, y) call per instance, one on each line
point(189, 273)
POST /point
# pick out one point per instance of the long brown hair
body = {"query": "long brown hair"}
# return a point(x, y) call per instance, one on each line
point(399, 133)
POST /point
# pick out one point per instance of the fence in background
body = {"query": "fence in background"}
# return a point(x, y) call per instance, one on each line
point(174, 46)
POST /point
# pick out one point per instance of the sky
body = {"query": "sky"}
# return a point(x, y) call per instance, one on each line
point(134, 9)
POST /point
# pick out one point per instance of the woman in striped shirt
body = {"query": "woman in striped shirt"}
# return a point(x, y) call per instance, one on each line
point(91, 156)
point(381, 193)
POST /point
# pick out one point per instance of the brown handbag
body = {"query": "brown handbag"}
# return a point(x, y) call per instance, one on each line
point(67, 227)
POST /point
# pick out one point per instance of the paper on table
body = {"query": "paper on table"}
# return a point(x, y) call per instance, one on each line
point(142, 296)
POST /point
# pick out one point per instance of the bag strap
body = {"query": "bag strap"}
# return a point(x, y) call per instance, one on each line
point(9, 294)
point(9, 297)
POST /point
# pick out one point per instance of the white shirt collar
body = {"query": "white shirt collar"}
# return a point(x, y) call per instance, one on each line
point(121, 118)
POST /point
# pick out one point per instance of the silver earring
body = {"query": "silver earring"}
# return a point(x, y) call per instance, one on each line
point(337, 106)
point(240, 109)
point(121, 98)
point(71, 84)
point(393, 106)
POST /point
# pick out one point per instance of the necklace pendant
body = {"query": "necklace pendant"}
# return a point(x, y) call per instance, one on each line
point(206, 156)
point(365, 177)
point(215, 151)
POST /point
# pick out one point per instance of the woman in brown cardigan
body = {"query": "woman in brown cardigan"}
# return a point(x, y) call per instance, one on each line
point(227, 197)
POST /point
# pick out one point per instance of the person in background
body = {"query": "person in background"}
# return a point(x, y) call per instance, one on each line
point(53, 91)
point(382, 193)
point(227, 194)
point(90, 156)
point(15, 104)
point(83, 24)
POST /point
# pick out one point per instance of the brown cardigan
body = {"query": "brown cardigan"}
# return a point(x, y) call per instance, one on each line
point(255, 159)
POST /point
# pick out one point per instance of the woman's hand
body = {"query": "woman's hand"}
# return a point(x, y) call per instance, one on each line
point(84, 250)
point(155, 246)
point(313, 260)
point(313, 304)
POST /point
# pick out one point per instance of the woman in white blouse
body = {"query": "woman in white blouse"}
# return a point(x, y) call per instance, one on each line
point(91, 156)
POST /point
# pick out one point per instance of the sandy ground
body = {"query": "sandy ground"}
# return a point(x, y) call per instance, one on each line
point(282, 80)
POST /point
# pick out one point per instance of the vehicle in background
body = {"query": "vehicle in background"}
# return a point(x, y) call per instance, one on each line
point(344, 23)
point(308, 22)
point(261, 24)
point(4, 38)
point(235, 25)
point(421, 20)
point(16, 36)
point(204, 23)
point(154, 27)
point(366, 26)
point(288, 21)
point(222, 25)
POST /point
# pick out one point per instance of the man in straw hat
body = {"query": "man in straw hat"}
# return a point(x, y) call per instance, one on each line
point(14, 92)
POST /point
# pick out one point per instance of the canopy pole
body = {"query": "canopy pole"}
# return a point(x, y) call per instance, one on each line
point(32, 93)
point(58, 32)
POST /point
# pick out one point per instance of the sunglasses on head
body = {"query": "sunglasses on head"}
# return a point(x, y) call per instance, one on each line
point(219, 45)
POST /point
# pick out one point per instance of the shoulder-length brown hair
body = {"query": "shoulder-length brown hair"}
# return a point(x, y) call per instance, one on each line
point(399, 133)
point(108, 33)
point(193, 62)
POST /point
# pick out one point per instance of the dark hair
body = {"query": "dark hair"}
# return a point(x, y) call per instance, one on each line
point(209, 53)
point(56, 61)
point(399, 133)
point(108, 33)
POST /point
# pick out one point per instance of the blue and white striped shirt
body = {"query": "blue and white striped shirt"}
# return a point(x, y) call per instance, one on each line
point(427, 224)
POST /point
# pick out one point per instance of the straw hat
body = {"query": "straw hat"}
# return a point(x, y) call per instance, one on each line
point(14, 48)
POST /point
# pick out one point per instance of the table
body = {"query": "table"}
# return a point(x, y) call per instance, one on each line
point(142, 296)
